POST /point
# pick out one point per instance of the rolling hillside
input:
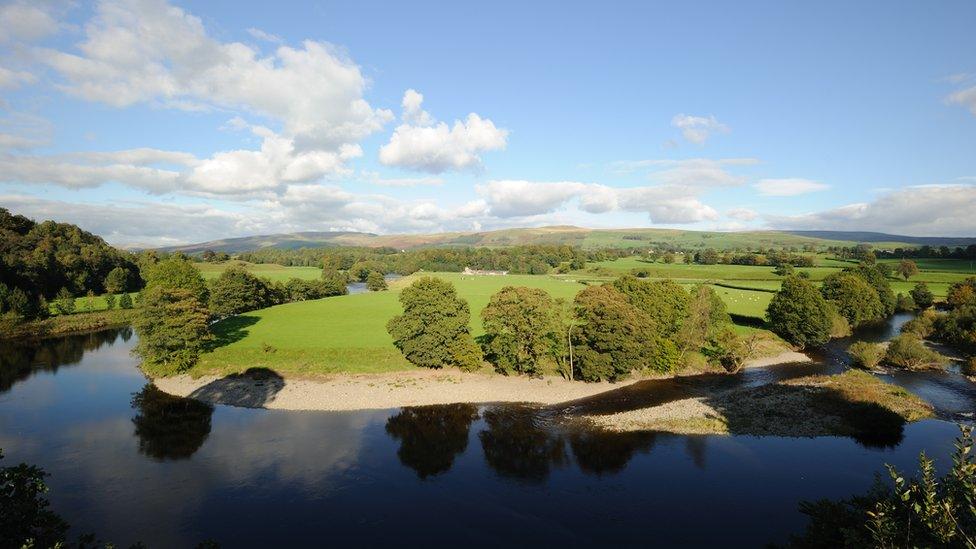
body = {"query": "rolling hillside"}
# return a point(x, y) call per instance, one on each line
point(573, 236)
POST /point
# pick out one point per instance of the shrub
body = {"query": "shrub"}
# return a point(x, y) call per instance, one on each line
point(64, 303)
point(904, 303)
point(922, 326)
point(799, 314)
point(969, 366)
point(125, 301)
point(866, 355)
point(433, 330)
point(922, 296)
point(908, 351)
point(110, 301)
point(375, 282)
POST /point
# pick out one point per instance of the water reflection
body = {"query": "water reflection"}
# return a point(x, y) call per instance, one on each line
point(431, 436)
point(21, 359)
point(604, 453)
point(169, 427)
point(519, 445)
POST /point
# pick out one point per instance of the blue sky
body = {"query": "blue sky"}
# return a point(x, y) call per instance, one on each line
point(152, 123)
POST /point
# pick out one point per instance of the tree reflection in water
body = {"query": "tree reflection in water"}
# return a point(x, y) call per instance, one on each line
point(169, 427)
point(21, 359)
point(432, 436)
point(517, 444)
point(603, 452)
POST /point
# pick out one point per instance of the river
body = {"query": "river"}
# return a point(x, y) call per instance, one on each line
point(129, 463)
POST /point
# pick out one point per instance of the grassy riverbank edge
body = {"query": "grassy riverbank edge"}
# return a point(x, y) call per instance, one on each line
point(64, 325)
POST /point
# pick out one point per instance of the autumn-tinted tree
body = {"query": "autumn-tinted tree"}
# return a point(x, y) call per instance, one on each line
point(173, 324)
point(907, 268)
point(922, 296)
point(853, 297)
point(799, 313)
point(375, 282)
point(433, 330)
point(521, 331)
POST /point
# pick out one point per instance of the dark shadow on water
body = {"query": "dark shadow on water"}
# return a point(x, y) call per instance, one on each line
point(431, 436)
point(19, 360)
point(230, 330)
point(169, 427)
point(253, 389)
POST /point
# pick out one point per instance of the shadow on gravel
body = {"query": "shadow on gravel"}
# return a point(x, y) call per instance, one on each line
point(255, 388)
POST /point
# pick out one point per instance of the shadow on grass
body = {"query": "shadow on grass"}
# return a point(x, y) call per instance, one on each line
point(230, 330)
point(751, 321)
point(253, 389)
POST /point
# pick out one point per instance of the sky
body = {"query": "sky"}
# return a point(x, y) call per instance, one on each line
point(154, 123)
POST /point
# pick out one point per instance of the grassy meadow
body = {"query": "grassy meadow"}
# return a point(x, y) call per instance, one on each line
point(348, 333)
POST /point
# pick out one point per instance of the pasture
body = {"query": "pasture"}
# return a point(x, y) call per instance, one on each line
point(275, 273)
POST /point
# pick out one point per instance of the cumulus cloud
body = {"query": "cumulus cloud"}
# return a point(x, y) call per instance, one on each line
point(420, 144)
point(26, 21)
point(788, 187)
point(663, 204)
point(965, 97)
point(741, 214)
point(933, 210)
point(314, 91)
point(697, 129)
point(10, 78)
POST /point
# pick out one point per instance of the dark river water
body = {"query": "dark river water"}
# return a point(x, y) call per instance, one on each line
point(130, 463)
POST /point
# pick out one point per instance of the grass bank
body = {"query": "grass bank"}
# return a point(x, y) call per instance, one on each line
point(70, 324)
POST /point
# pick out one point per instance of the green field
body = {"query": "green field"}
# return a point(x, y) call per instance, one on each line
point(348, 333)
point(98, 302)
point(275, 273)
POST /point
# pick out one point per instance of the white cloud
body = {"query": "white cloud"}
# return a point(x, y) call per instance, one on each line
point(932, 210)
point(788, 187)
point(376, 179)
point(10, 78)
point(741, 214)
point(26, 21)
point(265, 36)
point(421, 145)
point(965, 97)
point(413, 112)
point(151, 52)
point(698, 129)
point(690, 172)
point(663, 204)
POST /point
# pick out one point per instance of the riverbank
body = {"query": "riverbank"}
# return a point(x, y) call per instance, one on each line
point(63, 325)
point(263, 388)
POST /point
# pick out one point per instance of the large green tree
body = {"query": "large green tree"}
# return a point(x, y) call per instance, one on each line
point(237, 291)
point(173, 324)
point(877, 276)
point(521, 329)
point(117, 280)
point(615, 338)
point(853, 297)
point(922, 296)
point(664, 301)
point(433, 330)
point(799, 313)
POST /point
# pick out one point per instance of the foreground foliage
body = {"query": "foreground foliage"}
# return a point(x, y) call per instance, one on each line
point(925, 511)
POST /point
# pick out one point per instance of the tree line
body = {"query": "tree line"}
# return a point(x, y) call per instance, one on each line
point(607, 332)
point(42, 262)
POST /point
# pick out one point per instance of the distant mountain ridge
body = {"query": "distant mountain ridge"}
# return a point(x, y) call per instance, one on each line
point(569, 235)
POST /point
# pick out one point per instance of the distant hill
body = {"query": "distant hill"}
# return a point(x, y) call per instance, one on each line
point(869, 237)
point(573, 236)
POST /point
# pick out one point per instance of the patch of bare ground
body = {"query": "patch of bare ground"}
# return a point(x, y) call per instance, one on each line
point(853, 404)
